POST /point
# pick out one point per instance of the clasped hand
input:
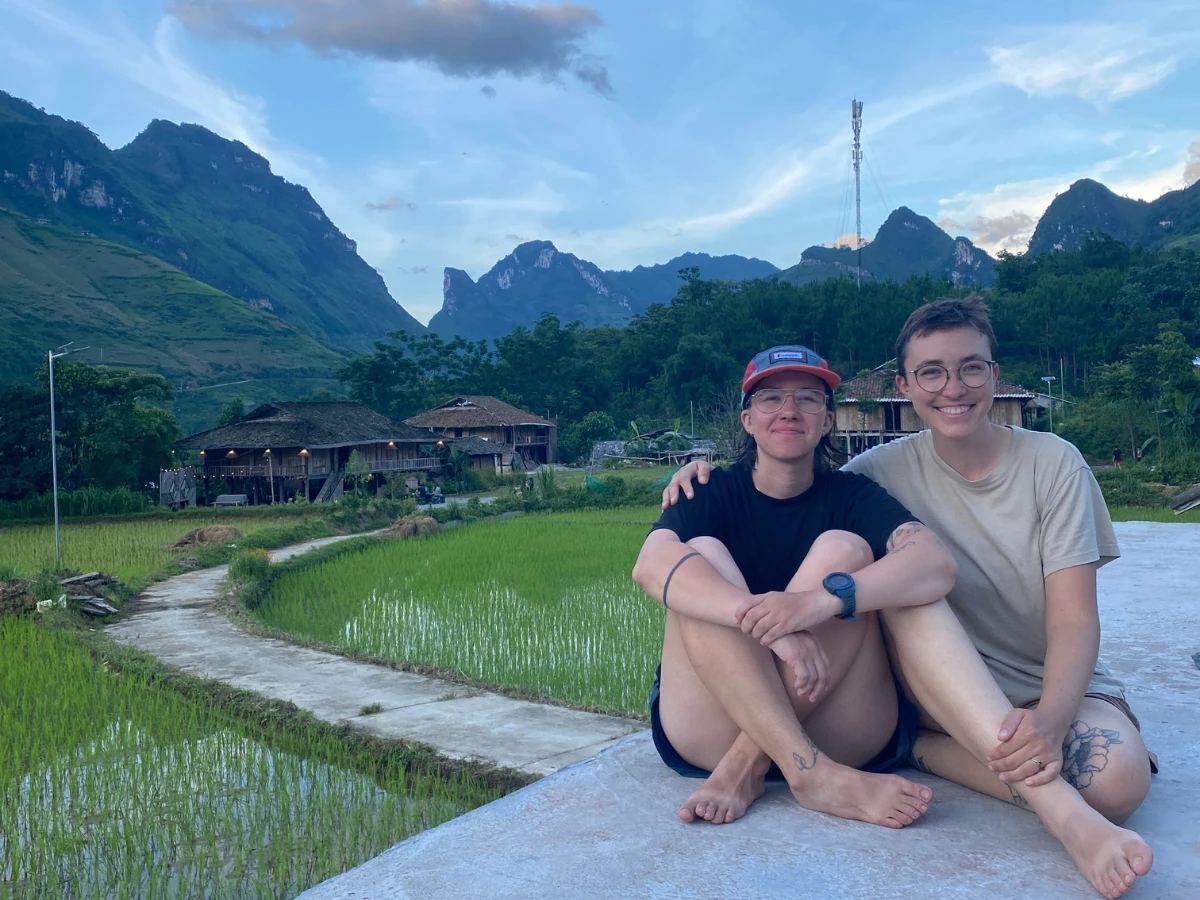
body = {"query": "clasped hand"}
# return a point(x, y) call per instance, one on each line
point(1030, 749)
point(770, 616)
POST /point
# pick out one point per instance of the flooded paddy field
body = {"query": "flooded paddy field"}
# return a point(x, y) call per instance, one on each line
point(113, 785)
point(541, 603)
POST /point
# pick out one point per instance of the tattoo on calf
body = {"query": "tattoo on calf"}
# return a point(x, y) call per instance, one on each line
point(1017, 799)
point(901, 537)
point(1085, 752)
point(803, 763)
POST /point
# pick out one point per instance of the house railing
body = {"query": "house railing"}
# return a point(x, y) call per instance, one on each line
point(405, 465)
point(254, 471)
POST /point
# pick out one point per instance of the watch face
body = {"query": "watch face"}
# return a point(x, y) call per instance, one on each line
point(839, 581)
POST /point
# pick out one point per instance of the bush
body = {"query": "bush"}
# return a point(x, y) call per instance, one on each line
point(1125, 487)
point(251, 566)
point(1181, 467)
point(88, 501)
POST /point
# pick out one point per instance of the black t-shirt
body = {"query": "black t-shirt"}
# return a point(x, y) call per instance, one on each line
point(769, 538)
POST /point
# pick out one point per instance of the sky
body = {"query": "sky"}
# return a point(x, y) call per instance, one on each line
point(442, 133)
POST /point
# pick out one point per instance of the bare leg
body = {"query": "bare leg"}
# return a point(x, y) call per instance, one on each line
point(949, 679)
point(1104, 759)
point(717, 683)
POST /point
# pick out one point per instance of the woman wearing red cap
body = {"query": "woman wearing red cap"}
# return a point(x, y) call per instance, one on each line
point(760, 652)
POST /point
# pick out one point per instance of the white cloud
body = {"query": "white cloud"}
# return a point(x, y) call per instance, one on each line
point(1100, 63)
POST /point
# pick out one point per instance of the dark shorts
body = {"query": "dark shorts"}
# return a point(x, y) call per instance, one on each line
point(897, 753)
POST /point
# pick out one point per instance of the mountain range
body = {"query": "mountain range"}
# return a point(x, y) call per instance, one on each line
point(1171, 220)
point(183, 253)
point(208, 206)
point(537, 277)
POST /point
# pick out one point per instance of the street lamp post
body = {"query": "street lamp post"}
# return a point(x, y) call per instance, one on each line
point(1050, 392)
point(51, 356)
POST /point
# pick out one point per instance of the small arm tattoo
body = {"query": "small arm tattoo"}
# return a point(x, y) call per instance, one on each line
point(902, 537)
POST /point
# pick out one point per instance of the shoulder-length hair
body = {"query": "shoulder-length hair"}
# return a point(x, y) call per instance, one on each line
point(825, 458)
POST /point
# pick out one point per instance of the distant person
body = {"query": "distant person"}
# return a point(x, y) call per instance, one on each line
point(1137, 454)
point(1117, 457)
point(1027, 524)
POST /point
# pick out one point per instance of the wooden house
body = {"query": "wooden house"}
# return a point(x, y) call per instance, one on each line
point(298, 448)
point(526, 440)
point(871, 410)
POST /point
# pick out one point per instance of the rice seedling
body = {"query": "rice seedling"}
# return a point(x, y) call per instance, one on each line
point(540, 603)
point(114, 786)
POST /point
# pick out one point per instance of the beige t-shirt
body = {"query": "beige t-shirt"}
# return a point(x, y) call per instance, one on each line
point(1039, 511)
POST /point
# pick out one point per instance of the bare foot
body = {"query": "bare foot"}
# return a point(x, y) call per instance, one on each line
point(727, 793)
point(887, 800)
point(1111, 858)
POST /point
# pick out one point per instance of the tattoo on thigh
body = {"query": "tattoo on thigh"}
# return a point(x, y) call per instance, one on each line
point(1085, 752)
point(919, 762)
point(1017, 799)
point(901, 537)
point(803, 762)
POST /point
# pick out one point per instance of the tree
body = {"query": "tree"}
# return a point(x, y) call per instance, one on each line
point(231, 412)
point(357, 470)
point(25, 447)
point(576, 441)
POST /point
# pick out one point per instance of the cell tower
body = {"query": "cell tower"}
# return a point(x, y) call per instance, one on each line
point(856, 120)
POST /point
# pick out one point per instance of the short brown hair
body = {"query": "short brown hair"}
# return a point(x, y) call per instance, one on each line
point(943, 315)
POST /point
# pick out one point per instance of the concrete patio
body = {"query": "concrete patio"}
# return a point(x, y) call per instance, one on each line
point(606, 827)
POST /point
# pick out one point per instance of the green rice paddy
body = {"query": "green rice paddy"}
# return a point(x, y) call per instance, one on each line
point(543, 604)
point(126, 549)
point(114, 786)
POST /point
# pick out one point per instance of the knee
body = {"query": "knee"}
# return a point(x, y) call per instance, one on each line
point(1120, 789)
point(708, 547)
point(842, 551)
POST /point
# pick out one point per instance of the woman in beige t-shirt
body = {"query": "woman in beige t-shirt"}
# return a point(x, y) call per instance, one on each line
point(1026, 522)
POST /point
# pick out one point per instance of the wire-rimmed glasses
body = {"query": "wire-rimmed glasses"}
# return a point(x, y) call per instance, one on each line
point(771, 400)
point(974, 373)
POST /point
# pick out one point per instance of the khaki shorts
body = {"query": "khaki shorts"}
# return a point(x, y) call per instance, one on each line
point(1126, 711)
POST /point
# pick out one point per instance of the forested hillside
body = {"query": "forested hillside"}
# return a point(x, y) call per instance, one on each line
point(1087, 309)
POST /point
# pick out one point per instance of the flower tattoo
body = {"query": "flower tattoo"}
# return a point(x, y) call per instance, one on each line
point(1085, 752)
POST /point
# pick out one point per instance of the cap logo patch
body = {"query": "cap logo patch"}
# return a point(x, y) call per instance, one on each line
point(780, 355)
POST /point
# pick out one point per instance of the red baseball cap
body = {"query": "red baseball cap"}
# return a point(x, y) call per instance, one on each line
point(787, 358)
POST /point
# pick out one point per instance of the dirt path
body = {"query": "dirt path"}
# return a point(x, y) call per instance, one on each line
point(177, 621)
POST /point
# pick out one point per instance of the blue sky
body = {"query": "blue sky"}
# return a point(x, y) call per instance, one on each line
point(443, 132)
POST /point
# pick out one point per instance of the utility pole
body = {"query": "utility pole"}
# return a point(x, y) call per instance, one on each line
point(856, 156)
point(51, 356)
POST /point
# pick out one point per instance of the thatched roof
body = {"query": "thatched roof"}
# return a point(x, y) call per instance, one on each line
point(474, 446)
point(311, 425)
point(475, 412)
point(879, 386)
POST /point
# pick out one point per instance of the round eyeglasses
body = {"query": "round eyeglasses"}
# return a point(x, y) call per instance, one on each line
point(974, 373)
point(771, 400)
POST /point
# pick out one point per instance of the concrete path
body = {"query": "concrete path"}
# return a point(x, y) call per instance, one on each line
point(176, 621)
point(607, 827)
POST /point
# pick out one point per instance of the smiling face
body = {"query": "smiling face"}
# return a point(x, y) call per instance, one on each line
point(956, 411)
point(787, 435)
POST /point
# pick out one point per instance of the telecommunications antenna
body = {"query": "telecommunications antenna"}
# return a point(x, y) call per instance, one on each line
point(856, 157)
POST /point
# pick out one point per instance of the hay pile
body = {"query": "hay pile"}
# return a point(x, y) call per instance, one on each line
point(412, 526)
point(209, 534)
point(15, 597)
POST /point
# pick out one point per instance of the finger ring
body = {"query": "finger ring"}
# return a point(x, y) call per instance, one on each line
point(1041, 765)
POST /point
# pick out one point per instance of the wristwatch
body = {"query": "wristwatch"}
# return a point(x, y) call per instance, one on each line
point(841, 585)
